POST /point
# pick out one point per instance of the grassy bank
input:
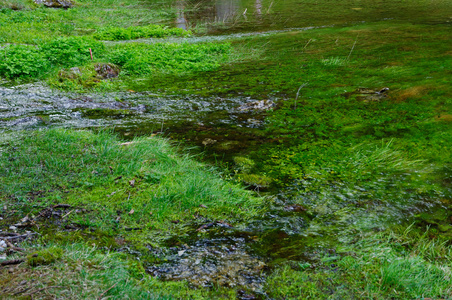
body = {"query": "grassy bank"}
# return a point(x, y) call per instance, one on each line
point(22, 21)
point(140, 193)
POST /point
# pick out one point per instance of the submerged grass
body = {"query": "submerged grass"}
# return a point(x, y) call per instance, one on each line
point(356, 164)
point(387, 265)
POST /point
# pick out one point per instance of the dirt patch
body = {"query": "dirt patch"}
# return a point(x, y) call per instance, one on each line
point(444, 118)
point(411, 93)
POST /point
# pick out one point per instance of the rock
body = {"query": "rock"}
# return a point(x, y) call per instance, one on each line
point(3, 245)
point(253, 123)
point(56, 3)
point(106, 71)
point(208, 142)
point(257, 105)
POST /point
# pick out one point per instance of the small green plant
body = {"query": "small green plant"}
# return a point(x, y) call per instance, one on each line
point(136, 32)
point(142, 59)
point(45, 256)
point(72, 51)
point(22, 61)
point(136, 269)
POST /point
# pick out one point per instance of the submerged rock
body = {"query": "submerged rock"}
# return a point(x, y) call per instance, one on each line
point(56, 3)
point(206, 263)
point(257, 105)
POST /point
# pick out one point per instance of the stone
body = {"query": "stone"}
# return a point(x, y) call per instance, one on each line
point(208, 141)
point(106, 71)
point(56, 3)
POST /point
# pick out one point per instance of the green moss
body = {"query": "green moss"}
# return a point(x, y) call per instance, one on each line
point(255, 180)
point(244, 164)
point(45, 257)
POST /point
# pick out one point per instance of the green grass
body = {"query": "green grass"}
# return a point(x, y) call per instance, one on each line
point(358, 166)
point(94, 171)
point(112, 186)
point(26, 62)
point(36, 24)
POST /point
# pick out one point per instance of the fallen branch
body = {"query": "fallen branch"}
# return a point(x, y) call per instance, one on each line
point(14, 248)
point(17, 236)
point(101, 295)
point(8, 234)
point(12, 262)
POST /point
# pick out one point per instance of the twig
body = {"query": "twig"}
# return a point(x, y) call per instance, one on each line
point(14, 248)
point(62, 206)
point(269, 7)
point(22, 291)
point(101, 295)
point(17, 236)
point(307, 44)
point(67, 214)
point(298, 92)
point(12, 262)
point(40, 290)
point(348, 57)
point(2, 234)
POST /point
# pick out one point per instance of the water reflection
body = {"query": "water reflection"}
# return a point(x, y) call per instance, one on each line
point(181, 21)
point(218, 16)
point(258, 7)
point(226, 9)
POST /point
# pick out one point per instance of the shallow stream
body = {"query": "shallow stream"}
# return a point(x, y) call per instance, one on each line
point(224, 126)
